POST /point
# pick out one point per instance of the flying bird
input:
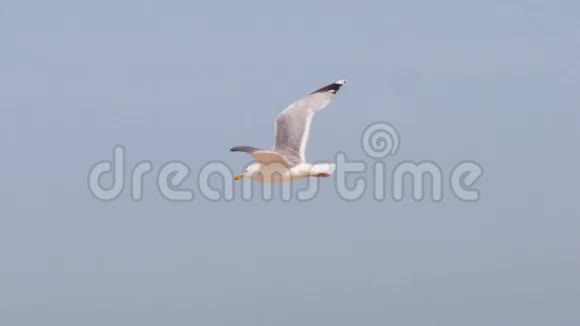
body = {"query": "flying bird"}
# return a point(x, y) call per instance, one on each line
point(286, 161)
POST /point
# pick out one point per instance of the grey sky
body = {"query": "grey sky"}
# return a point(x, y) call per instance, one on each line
point(492, 81)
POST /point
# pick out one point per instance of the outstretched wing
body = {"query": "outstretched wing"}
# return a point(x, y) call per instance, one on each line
point(293, 124)
point(263, 156)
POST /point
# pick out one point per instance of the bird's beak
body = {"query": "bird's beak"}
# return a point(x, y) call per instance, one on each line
point(238, 177)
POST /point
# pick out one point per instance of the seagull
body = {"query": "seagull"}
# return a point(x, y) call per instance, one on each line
point(286, 161)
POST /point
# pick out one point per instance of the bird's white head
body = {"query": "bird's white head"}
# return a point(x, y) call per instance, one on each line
point(248, 171)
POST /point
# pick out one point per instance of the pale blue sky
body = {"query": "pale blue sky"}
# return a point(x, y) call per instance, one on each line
point(492, 81)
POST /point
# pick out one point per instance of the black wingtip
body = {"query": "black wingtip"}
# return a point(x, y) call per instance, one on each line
point(246, 149)
point(332, 88)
